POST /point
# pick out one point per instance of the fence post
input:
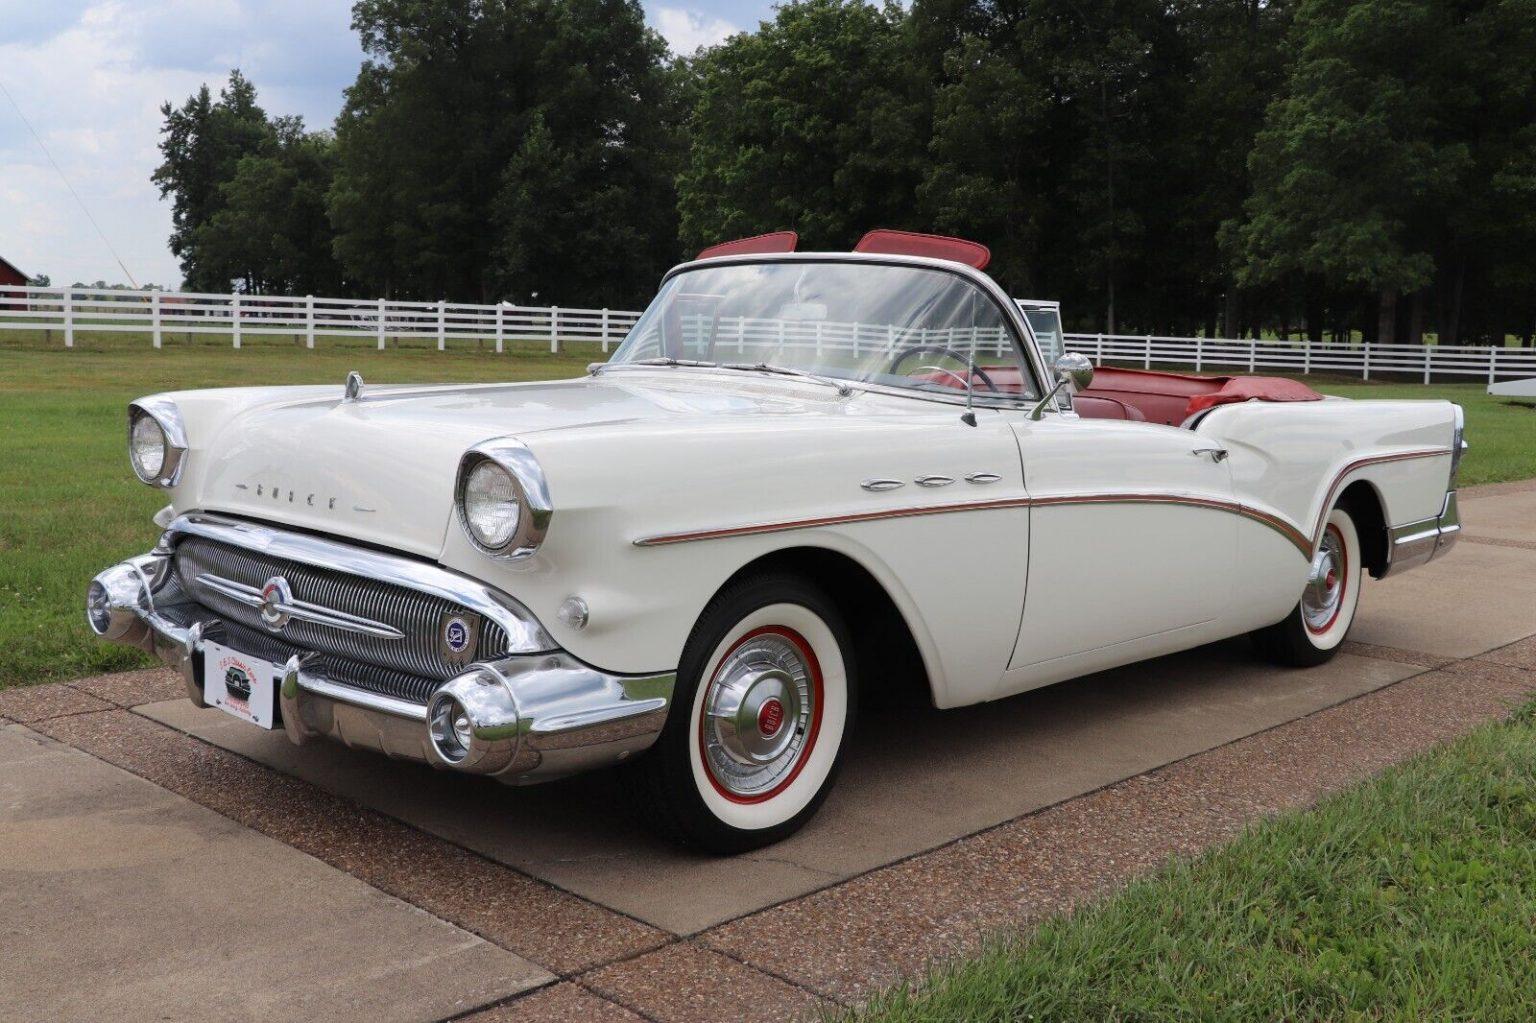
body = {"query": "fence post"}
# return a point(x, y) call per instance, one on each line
point(1306, 357)
point(1493, 359)
point(154, 318)
point(234, 317)
point(605, 330)
point(500, 335)
point(1149, 352)
point(309, 321)
point(1098, 349)
point(1426, 364)
point(69, 318)
point(1199, 353)
point(1367, 346)
point(380, 327)
point(554, 330)
point(442, 339)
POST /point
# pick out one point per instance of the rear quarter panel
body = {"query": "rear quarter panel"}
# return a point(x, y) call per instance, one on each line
point(1290, 461)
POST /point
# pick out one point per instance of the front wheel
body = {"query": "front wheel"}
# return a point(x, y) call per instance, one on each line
point(764, 699)
point(1312, 633)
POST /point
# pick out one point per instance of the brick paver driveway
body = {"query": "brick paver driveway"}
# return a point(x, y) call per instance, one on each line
point(160, 861)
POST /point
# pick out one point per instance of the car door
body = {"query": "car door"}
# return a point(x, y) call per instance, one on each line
point(1133, 544)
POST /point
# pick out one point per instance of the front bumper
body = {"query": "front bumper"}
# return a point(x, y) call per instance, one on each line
point(521, 718)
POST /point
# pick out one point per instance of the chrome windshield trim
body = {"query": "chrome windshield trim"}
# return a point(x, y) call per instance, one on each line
point(302, 610)
point(524, 632)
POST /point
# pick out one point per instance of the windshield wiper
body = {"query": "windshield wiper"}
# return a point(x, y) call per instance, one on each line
point(763, 367)
point(665, 360)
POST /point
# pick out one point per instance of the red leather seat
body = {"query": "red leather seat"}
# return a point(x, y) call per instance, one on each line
point(1092, 406)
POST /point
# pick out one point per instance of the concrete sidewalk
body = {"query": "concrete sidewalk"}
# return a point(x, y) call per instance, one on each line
point(403, 893)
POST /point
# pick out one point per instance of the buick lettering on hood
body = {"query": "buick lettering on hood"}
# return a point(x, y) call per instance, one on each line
point(804, 481)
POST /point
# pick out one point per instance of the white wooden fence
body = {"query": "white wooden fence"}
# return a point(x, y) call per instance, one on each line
point(157, 313)
point(1424, 361)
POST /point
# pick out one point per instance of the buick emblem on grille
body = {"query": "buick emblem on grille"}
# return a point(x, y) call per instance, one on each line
point(456, 635)
point(276, 600)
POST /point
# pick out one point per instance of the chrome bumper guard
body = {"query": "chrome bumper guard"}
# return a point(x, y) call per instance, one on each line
point(520, 719)
point(1419, 543)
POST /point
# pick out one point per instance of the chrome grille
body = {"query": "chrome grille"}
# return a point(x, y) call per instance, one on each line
point(263, 644)
point(417, 615)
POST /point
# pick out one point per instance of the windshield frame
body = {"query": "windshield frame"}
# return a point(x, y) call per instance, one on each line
point(1012, 316)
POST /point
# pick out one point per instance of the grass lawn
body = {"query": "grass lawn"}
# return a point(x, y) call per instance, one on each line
point(70, 505)
point(1409, 897)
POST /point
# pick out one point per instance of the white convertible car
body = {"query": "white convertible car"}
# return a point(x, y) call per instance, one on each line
point(803, 479)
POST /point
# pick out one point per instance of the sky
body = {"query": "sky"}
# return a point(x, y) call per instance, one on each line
point(90, 75)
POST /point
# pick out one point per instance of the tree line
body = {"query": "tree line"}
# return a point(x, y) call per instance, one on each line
point(1229, 167)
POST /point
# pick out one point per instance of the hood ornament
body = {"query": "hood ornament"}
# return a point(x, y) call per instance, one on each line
point(354, 387)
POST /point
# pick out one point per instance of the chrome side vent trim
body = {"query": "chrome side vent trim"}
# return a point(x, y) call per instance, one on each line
point(881, 485)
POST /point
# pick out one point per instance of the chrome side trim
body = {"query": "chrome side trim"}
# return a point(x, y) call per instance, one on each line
point(982, 478)
point(1418, 543)
point(1361, 463)
point(533, 493)
point(880, 485)
point(934, 481)
point(300, 609)
point(524, 632)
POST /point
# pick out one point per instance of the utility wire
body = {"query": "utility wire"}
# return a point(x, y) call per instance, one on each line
point(83, 208)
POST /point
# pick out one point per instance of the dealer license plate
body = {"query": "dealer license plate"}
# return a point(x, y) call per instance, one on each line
point(240, 684)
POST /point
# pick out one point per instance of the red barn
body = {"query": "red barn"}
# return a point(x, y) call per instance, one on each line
point(9, 274)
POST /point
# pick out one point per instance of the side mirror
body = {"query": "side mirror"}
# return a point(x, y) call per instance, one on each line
point(1074, 366)
point(1071, 368)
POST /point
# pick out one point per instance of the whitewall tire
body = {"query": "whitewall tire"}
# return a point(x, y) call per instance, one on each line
point(763, 704)
point(1312, 633)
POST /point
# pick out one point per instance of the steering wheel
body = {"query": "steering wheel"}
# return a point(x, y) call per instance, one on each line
point(907, 353)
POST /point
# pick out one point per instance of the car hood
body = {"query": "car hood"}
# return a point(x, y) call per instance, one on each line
point(382, 468)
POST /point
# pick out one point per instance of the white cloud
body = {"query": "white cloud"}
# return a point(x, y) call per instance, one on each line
point(91, 79)
point(685, 30)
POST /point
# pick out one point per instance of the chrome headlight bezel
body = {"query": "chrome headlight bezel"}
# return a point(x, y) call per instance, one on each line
point(165, 415)
point(528, 482)
point(1458, 444)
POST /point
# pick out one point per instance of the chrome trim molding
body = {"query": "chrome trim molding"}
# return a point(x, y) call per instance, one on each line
point(982, 478)
point(302, 610)
point(934, 481)
point(524, 633)
point(877, 486)
point(168, 417)
point(532, 491)
point(534, 716)
point(1418, 543)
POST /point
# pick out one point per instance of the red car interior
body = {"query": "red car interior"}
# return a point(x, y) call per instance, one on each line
point(773, 241)
point(1139, 396)
point(936, 246)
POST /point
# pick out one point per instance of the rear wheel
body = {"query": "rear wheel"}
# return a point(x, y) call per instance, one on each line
point(764, 698)
point(1312, 633)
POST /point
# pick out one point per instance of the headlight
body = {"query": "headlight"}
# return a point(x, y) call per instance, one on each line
point(491, 508)
point(157, 442)
point(146, 446)
point(503, 500)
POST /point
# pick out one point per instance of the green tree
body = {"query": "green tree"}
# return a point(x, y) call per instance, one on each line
point(441, 185)
point(817, 122)
point(1398, 158)
point(201, 144)
point(271, 233)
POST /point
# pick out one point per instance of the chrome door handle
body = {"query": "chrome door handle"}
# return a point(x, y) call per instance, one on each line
point(1217, 454)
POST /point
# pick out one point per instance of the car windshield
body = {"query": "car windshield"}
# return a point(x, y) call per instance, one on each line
point(898, 326)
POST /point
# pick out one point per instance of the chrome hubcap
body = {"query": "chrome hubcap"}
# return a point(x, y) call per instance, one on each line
point(1325, 583)
point(757, 711)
